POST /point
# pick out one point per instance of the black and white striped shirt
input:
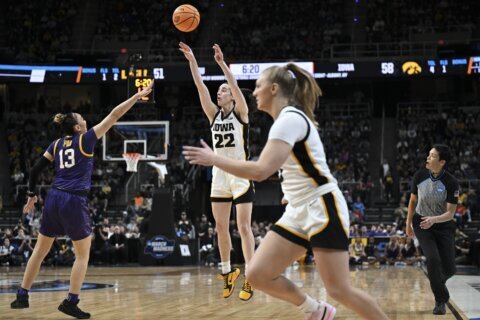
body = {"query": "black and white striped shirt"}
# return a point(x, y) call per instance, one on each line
point(434, 192)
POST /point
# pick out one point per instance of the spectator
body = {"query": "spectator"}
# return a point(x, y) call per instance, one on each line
point(359, 209)
point(118, 246)
point(388, 183)
point(371, 251)
point(392, 250)
point(203, 226)
point(185, 229)
point(208, 248)
point(409, 252)
point(25, 249)
point(6, 253)
point(357, 251)
point(400, 213)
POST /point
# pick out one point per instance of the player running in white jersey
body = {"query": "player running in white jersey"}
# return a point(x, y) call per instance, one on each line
point(316, 214)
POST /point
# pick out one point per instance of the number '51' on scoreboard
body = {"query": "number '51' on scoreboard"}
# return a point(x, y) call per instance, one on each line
point(138, 84)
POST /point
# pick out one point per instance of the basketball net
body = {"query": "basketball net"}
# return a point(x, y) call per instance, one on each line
point(132, 161)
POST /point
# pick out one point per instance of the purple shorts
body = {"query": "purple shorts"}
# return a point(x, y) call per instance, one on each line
point(65, 214)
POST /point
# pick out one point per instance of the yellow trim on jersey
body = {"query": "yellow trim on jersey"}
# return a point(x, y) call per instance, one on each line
point(340, 216)
point(55, 148)
point(301, 168)
point(227, 197)
point(309, 155)
point(313, 162)
point(293, 231)
point(243, 144)
point(248, 188)
point(81, 148)
point(326, 214)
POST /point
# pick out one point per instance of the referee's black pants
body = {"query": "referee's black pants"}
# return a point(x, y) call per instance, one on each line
point(438, 246)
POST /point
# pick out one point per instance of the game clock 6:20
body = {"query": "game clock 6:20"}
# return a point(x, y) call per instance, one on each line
point(137, 85)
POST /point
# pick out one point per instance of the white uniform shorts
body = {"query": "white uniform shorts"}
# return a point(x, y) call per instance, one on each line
point(229, 188)
point(322, 222)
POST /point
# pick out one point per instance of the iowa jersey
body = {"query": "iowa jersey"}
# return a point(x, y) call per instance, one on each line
point(305, 173)
point(230, 136)
point(73, 157)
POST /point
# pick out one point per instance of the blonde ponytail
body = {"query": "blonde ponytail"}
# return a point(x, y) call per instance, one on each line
point(306, 91)
point(298, 86)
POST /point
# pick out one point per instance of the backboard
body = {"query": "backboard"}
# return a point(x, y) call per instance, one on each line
point(149, 138)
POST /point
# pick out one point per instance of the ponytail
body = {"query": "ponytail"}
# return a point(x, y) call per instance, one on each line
point(66, 122)
point(298, 86)
point(306, 91)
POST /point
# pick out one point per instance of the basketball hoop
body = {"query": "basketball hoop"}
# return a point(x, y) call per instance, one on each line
point(132, 160)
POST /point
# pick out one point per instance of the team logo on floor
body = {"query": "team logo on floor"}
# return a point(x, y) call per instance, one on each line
point(11, 286)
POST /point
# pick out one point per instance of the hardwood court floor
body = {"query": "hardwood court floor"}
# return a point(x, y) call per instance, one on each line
point(195, 293)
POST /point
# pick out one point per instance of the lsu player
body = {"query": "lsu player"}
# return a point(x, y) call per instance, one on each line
point(229, 125)
point(66, 205)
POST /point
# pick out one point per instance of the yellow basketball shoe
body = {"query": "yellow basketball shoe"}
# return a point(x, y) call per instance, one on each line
point(247, 291)
point(229, 282)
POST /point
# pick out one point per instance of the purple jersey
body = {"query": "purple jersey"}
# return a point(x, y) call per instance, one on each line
point(73, 161)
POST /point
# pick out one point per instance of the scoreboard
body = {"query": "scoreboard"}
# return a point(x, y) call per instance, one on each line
point(137, 84)
point(395, 68)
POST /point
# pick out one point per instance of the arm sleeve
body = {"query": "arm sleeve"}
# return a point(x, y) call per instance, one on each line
point(290, 127)
point(453, 191)
point(88, 141)
point(41, 164)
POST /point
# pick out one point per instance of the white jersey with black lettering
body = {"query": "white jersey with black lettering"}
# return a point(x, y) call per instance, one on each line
point(305, 174)
point(230, 135)
point(230, 139)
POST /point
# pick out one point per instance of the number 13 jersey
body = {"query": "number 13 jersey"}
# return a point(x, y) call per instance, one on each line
point(73, 161)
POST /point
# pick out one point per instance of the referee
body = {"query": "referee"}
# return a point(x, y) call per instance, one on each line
point(433, 200)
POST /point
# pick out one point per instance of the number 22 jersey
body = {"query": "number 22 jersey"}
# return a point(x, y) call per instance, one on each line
point(230, 136)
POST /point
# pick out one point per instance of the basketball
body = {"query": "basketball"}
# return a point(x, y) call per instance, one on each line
point(186, 18)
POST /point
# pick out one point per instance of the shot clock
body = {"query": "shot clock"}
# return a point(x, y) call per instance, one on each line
point(137, 84)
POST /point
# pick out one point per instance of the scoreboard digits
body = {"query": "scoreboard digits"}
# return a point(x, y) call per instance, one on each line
point(136, 85)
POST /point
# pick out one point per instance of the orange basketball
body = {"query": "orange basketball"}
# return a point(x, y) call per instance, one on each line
point(186, 18)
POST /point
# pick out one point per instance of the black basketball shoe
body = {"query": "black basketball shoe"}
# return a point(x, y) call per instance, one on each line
point(73, 310)
point(21, 302)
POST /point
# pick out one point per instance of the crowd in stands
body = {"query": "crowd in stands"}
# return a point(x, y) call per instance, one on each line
point(348, 158)
point(316, 25)
point(420, 128)
point(131, 21)
point(37, 31)
point(392, 21)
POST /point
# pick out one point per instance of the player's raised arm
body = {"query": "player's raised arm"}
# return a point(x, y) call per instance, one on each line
point(240, 102)
point(208, 106)
point(102, 128)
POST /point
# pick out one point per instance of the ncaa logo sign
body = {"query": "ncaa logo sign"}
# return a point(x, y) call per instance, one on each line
point(159, 247)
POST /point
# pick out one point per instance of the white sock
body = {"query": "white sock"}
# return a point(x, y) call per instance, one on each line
point(309, 305)
point(226, 268)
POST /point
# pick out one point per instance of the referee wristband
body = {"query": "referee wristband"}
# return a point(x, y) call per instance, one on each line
point(31, 194)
